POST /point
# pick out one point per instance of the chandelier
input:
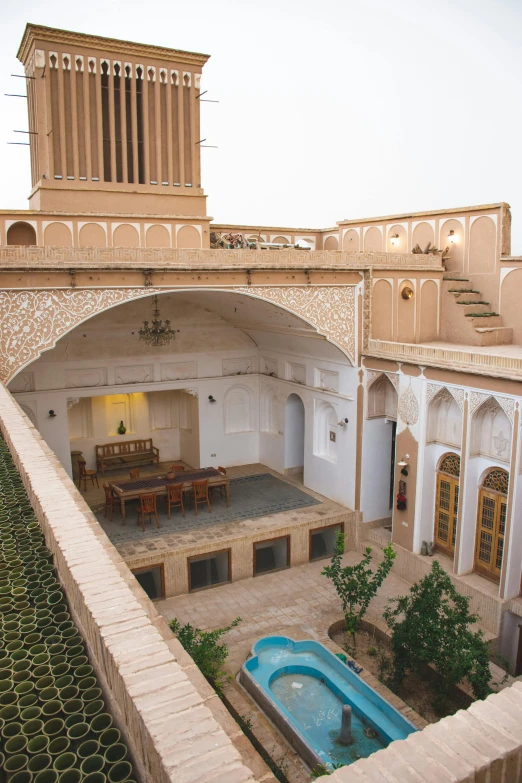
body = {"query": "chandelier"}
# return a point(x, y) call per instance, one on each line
point(158, 333)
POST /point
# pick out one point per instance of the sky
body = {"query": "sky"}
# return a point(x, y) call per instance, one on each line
point(328, 109)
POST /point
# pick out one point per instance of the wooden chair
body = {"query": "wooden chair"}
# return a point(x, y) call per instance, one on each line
point(84, 474)
point(111, 502)
point(221, 490)
point(200, 490)
point(175, 497)
point(147, 508)
point(134, 474)
point(176, 468)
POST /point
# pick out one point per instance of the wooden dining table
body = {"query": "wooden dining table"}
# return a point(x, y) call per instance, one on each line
point(157, 485)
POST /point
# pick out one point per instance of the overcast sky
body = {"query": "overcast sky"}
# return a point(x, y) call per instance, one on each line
point(329, 109)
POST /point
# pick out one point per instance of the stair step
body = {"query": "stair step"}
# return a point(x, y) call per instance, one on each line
point(456, 279)
point(462, 291)
point(488, 319)
point(477, 313)
point(472, 302)
point(472, 309)
point(494, 335)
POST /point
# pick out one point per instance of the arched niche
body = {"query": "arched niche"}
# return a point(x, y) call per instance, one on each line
point(92, 235)
point(423, 235)
point(21, 233)
point(294, 433)
point(331, 243)
point(491, 523)
point(57, 235)
point(238, 410)
point(373, 240)
point(455, 255)
point(491, 431)
point(125, 235)
point(444, 420)
point(397, 244)
point(510, 309)
point(268, 409)
point(280, 240)
point(325, 431)
point(351, 240)
point(406, 314)
point(429, 311)
point(382, 310)
point(188, 237)
point(382, 399)
point(482, 245)
point(157, 236)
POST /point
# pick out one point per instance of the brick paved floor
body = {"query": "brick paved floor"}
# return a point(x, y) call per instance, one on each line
point(299, 603)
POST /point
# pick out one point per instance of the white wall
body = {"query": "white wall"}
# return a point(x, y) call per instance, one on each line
point(294, 432)
point(376, 469)
point(189, 435)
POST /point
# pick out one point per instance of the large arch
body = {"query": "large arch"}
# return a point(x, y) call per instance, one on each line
point(35, 320)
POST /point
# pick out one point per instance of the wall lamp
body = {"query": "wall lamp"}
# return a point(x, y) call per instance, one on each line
point(395, 239)
point(404, 461)
point(452, 237)
point(343, 422)
point(52, 415)
point(211, 398)
point(407, 292)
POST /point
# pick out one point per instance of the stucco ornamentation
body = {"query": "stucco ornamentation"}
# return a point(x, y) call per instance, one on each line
point(330, 309)
point(32, 321)
point(508, 406)
point(475, 400)
point(434, 390)
point(408, 407)
point(72, 401)
point(394, 380)
point(371, 377)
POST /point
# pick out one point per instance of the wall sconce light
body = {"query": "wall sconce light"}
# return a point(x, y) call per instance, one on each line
point(404, 461)
point(211, 398)
point(452, 237)
point(343, 422)
point(395, 239)
point(52, 415)
point(407, 292)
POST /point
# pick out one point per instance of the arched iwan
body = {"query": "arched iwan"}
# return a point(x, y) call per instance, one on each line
point(35, 320)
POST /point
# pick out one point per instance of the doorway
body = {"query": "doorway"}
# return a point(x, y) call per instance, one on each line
point(491, 523)
point(294, 434)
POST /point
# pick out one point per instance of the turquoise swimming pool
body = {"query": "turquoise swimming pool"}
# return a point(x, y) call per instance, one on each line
point(302, 687)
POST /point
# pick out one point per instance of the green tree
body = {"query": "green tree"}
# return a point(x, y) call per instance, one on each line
point(357, 584)
point(205, 650)
point(431, 625)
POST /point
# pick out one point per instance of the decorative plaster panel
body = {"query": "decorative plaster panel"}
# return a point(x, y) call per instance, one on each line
point(24, 382)
point(139, 373)
point(330, 309)
point(408, 407)
point(476, 399)
point(508, 406)
point(242, 366)
point(33, 321)
point(77, 379)
point(178, 371)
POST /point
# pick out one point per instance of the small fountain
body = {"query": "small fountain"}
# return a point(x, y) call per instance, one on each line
point(346, 725)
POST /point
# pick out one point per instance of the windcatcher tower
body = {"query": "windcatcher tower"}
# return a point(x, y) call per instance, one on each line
point(114, 124)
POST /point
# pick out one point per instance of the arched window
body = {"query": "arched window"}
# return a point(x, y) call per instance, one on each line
point(491, 523)
point(447, 503)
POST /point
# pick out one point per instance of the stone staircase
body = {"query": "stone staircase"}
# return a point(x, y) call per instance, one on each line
point(467, 318)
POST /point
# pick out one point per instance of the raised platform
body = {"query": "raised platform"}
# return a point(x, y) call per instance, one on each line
point(264, 505)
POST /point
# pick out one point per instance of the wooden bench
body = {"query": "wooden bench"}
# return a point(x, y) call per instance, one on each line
point(129, 452)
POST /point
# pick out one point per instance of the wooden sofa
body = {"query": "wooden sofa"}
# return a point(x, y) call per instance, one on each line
point(129, 452)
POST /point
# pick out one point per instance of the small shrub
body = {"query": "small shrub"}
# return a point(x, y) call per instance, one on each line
point(372, 651)
point(357, 584)
point(325, 769)
point(205, 650)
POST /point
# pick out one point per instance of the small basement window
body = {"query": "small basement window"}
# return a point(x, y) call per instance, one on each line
point(152, 581)
point(212, 568)
point(322, 541)
point(271, 555)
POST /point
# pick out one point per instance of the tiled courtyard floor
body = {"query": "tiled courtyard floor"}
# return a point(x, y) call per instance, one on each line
point(256, 505)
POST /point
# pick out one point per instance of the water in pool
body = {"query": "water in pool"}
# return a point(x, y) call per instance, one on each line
point(317, 712)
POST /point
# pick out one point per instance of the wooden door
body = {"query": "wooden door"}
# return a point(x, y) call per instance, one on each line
point(447, 504)
point(491, 524)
